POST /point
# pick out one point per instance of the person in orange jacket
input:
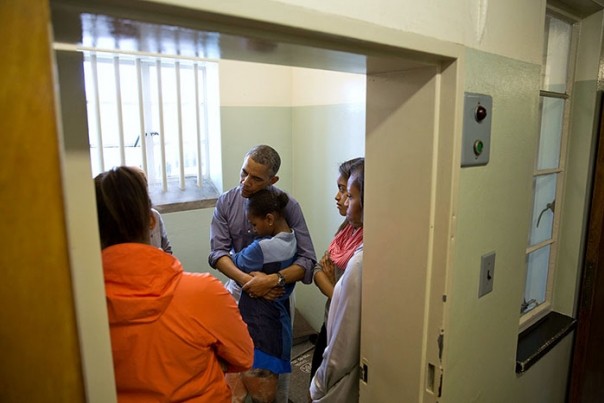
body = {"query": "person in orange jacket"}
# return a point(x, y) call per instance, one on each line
point(173, 334)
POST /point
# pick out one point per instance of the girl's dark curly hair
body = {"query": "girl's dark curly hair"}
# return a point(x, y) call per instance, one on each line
point(266, 201)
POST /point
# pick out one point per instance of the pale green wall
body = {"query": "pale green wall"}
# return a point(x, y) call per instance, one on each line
point(493, 212)
point(313, 135)
point(188, 232)
point(494, 208)
point(243, 127)
point(324, 137)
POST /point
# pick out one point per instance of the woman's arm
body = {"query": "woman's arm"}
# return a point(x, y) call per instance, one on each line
point(324, 283)
point(324, 275)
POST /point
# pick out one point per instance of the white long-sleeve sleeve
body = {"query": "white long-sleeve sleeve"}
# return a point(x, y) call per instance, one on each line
point(337, 379)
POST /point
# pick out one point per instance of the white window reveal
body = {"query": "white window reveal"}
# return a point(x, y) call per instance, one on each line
point(152, 112)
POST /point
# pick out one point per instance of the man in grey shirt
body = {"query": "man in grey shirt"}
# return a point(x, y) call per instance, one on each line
point(230, 231)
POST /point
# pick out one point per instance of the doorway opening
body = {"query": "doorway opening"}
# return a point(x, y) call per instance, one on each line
point(411, 142)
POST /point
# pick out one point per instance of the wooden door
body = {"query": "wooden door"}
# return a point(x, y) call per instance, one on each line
point(38, 336)
point(587, 370)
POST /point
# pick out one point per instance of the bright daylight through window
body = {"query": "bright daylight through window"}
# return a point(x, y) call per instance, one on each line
point(153, 113)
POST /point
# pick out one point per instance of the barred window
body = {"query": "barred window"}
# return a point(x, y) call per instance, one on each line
point(151, 112)
point(548, 178)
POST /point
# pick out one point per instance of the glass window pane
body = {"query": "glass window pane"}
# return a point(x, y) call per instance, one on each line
point(543, 208)
point(536, 278)
point(552, 114)
point(558, 37)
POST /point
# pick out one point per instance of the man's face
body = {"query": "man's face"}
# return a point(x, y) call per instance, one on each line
point(254, 177)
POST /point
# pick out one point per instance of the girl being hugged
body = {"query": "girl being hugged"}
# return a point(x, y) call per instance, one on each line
point(269, 322)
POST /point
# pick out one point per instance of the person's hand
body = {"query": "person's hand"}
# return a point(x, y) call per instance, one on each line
point(262, 285)
point(274, 293)
point(329, 268)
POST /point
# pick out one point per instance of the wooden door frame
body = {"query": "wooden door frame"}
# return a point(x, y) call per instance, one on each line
point(590, 332)
point(40, 352)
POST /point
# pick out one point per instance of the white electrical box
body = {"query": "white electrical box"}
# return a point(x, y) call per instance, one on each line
point(476, 137)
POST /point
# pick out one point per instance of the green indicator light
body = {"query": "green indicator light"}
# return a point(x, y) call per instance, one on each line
point(478, 147)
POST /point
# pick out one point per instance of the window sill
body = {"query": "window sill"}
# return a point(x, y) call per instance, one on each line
point(190, 198)
point(538, 339)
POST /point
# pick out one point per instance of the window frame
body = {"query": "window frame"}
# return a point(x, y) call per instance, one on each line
point(176, 193)
point(538, 313)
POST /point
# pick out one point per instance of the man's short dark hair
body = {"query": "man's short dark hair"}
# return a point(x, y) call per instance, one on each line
point(267, 156)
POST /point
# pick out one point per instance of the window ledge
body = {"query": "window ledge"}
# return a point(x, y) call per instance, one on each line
point(190, 198)
point(538, 339)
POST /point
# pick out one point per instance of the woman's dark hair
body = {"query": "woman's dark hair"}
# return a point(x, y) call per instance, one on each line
point(266, 201)
point(346, 166)
point(358, 172)
point(123, 206)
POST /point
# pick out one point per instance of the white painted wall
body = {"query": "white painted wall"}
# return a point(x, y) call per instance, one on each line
point(254, 84)
point(245, 87)
point(490, 26)
point(511, 28)
point(320, 87)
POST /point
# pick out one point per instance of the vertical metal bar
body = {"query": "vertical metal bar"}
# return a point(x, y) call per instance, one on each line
point(198, 126)
point(181, 158)
point(206, 121)
point(118, 100)
point(141, 115)
point(97, 110)
point(162, 140)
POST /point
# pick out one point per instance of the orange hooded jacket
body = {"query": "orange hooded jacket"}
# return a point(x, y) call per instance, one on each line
point(170, 330)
